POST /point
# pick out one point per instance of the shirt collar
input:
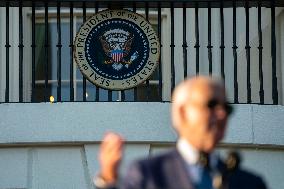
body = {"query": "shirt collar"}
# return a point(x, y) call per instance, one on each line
point(187, 151)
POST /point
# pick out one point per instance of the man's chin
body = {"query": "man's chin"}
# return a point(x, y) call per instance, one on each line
point(210, 148)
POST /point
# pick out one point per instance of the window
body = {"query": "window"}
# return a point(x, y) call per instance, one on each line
point(144, 92)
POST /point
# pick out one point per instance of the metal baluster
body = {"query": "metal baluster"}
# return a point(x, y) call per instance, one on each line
point(59, 46)
point(147, 80)
point(248, 54)
point(7, 52)
point(33, 52)
point(160, 40)
point(135, 88)
point(109, 91)
point(122, 95)
point(196, 46)
point(71, 54)
point(46, 45)
point(96, 6)
point(97, 88)
point(84, 78)
point(236, 100)
point(184, 44)
point(109, 95)
point(122, 92)
point(273, 55)
point(172, 49)
point(21, 46)
point(260, 48)
point(209, 46)
point(222, 47)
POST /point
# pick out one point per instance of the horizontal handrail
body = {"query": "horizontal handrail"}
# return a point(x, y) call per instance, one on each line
point(139, 4)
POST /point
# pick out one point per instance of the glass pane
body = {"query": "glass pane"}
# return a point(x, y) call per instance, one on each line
point(90, 91)
point(39, 51)
point(40, 64)
point(65, 91)
point(65, 52)
point(129, 95)
point(52, 60)
point(40, 92)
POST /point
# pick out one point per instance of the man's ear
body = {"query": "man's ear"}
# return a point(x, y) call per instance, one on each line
point(179, 116)
point(182, 113)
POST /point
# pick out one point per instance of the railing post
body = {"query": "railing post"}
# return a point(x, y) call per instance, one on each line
point(71, 54)
point(209, 46)
point(46, 46)
point(248, 53)
point(196, 46)
point(273, 54)
point(184, 44)
point(172, 48)
point(260, 48)
point(147, 80)
point(236, 100)
point(222, 46)
point(21, 47)
point(33, 52)
point(97, 98)
point(160, 40)
point(7, 52)
point(84, 78)
point(59, 46)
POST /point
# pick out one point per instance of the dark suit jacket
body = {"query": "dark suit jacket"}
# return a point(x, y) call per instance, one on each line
point(242, 179)
point(168, 171)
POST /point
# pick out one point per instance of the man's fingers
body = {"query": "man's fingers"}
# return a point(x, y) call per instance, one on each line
point(112, 139)
point(110, 155)
point(111, 147)
point(111, 135)
point(114, 144)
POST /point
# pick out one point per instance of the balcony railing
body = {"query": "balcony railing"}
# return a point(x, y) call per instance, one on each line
point(38, 63)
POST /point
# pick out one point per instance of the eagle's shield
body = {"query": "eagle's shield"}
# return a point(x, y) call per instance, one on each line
point(117, 55)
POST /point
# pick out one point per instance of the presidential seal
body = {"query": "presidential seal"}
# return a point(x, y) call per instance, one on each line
point(117, 49)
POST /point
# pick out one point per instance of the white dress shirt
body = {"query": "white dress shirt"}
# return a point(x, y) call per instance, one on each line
point(191, 157)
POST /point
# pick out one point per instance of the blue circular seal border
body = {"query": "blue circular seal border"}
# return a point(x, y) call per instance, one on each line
point(117, 49)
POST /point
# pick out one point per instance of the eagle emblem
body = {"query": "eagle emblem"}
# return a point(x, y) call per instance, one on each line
point(116, 44)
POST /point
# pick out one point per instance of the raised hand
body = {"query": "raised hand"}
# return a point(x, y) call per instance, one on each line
point(110, 155)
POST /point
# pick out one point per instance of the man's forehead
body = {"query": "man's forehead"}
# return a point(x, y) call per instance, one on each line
point(206, 92)
point(206, 84)
point(200, 88)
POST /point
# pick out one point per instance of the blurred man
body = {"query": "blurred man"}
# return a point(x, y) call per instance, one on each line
point(199, 115)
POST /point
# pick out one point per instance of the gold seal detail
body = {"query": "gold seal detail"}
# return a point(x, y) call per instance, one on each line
point(117, 49)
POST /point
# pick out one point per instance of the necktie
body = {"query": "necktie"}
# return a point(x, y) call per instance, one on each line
point(206, 180)
point(204, 160)
point(211, 178)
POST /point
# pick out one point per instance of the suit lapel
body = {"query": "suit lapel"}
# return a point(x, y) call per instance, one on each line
point(179, 174)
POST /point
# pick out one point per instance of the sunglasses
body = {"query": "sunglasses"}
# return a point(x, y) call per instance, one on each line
point(226, 106)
